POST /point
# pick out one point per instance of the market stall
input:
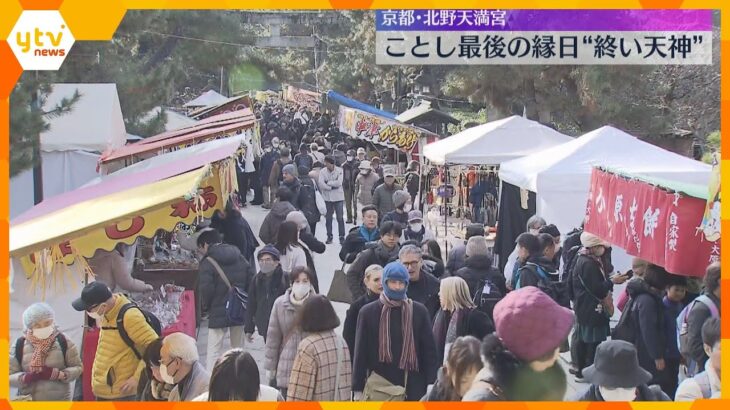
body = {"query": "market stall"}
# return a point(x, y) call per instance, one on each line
point(559, 177)
point(168, 192)
point(463, 170)
point(659, 220)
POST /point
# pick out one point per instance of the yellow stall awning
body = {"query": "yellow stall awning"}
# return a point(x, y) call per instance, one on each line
point(86, 217)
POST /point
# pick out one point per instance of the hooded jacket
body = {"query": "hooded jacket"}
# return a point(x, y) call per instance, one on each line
point(530, 275)
point(236, 231)
point(647, 318)
point(213, 291)
point(378, 254)
point(262, 294)
point(270, 226)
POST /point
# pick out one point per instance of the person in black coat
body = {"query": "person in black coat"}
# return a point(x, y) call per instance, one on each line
point(617, 376)
point(266, 286)
point(213, 290)
point(307, 200)
point(360, 236)
point(384, 251)
point(423, 287)
point(647, 319)
point(384, 317)
point(591, 285)
point(432, 252)
point(374, 286)
point(456, 301)
point(235, 230)
point(478, 267)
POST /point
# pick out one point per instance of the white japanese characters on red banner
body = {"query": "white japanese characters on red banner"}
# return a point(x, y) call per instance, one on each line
point(651, 223)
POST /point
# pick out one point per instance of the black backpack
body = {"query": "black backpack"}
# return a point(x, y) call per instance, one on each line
point(20, 344)
point(486, 297)
point(624, 329)
point(571, 259)
point(151, 319)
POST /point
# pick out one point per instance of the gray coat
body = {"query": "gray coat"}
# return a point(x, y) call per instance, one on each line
point(282, 339)
point(47, 390)
point(364, 188)
point(383, 198)
point(195, 385)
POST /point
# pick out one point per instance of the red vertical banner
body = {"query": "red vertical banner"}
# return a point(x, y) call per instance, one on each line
point(649, 222)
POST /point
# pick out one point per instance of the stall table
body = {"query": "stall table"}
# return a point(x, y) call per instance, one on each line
point(185, 324)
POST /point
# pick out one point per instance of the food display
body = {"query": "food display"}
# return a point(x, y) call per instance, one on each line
point(163, 302)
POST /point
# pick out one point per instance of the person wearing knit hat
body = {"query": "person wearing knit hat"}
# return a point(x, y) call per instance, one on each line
point(482, 278)
point(402, 205)
point(530, 327)
point(415, 230)
point(266, 286)
point(592, 299)
point(476, 245)
point(43, 362)
point(291, 180)
point(394, 340)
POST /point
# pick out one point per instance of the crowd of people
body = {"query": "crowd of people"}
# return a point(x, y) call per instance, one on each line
point(420, 327)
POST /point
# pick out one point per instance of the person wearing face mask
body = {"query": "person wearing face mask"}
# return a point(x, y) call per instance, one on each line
point(616, 376)
point(510, 268)
point(402, 205)
point(520, 357)
point(267, 285)
point(350, 170)
point(151, 386)
point(43, 362)
point(380, 253)
point(394, 341)
point(284, 333)
point(271, 155)
point(365, 184)
point(384, 196)
point(374, 287)
point(415, 231)
point(592, 299)
point(180, 365)
point(117, 365)
point(455, 378)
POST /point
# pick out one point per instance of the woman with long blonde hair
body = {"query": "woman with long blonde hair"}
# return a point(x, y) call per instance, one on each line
point(458, 316)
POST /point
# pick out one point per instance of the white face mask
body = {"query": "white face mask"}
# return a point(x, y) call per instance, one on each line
point(165, 376)
point(44, 332)
point(618, 394)
point(416, 227)
point(350, 158)
point(534, 231)
point(300, 290)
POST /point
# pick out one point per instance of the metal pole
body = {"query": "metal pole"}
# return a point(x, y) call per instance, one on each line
point(35, 106)
point(446, 209)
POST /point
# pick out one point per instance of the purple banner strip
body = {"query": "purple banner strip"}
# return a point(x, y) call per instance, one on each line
point(543, 20)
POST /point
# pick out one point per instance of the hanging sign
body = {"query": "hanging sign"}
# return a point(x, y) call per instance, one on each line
point(378, 130)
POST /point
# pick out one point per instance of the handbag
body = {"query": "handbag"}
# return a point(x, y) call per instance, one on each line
point(378, 388)
point(319, 199)
point(339, 289)
point(236, 299)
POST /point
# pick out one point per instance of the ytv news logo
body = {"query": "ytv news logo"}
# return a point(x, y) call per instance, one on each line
point(40, 40)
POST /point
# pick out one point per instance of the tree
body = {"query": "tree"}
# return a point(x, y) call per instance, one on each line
point(28, 119)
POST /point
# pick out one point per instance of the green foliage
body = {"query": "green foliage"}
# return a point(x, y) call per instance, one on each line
point(712, 146)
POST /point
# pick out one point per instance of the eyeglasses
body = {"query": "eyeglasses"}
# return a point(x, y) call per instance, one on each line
point(409, 264)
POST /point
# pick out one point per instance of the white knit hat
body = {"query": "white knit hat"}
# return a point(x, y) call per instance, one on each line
point(36, 313)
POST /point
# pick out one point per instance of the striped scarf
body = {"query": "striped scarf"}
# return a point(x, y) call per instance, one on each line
point(41, 347)
point(408, 358)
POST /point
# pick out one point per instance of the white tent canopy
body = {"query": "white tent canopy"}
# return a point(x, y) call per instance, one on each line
point(207, 99)
point(494, 142)
point(561, 175)
point(95, 122)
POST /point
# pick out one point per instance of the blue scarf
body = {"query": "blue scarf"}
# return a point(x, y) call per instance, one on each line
point(370, 236)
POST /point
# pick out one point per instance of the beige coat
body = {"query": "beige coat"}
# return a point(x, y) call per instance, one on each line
point(47, 390)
